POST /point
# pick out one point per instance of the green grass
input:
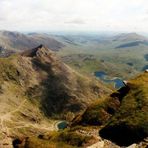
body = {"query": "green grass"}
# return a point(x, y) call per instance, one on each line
point(131, 119)
point(98, 113)
point(7, 70)
point(134, 107)
point(41, 143)
point(67, 138)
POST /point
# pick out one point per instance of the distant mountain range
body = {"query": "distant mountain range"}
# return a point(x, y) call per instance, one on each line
point(15, 41)
point(107, 53)
point(123, 40)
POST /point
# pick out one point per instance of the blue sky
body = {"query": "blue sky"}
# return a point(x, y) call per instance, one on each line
point(74, 15)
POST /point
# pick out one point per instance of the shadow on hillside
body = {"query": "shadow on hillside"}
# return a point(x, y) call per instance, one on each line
point(123, 135)
point(119, 130)
point(52, 91)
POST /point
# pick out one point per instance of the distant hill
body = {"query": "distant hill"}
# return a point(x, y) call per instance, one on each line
point(133, 44)
point(129, 37)
point(15, 41)
point(129, 40)
point(80, 39)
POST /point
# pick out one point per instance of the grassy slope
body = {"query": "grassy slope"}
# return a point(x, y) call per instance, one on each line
point(68, 138)
point(18, 114)
point(125, 111)
point(131, 119)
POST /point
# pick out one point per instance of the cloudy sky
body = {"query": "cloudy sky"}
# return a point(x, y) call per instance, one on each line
point(71, 15)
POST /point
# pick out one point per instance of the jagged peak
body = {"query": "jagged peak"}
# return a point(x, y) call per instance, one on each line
point(40, 46)
point(34, 52)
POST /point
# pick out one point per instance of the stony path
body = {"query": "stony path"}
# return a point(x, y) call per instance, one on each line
point(6, 142)
point(7, 117)
point(99, 144)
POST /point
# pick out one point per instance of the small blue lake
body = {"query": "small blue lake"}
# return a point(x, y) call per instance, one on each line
point(118, 83)
point(62, 125)
point(100, 74)
point(145, 67)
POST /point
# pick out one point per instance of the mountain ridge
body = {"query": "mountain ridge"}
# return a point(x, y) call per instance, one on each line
point(37, 87)
point(16, 41)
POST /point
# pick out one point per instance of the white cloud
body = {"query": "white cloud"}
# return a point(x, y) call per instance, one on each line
point(76, 22)
point(125, 15)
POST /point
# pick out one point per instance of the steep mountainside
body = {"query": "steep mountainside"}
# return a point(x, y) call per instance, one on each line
point(123, 115)
point(67, 89)
point(35, 86)
point(132, 117)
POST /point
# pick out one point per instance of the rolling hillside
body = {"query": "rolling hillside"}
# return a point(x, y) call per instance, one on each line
point(123, 55)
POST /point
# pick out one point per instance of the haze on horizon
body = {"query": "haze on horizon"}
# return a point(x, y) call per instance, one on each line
point(74, 15)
